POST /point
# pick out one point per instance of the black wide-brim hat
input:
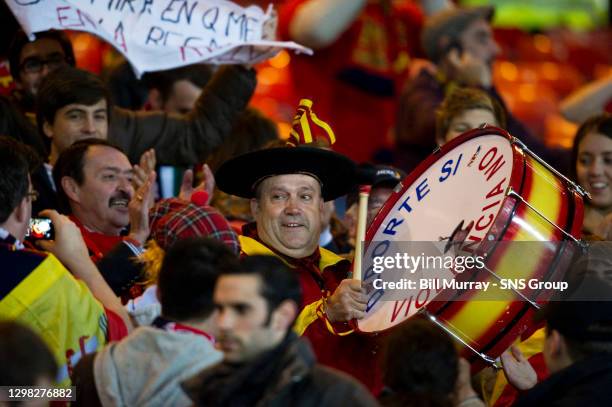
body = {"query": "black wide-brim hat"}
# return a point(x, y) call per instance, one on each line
point(240, 175)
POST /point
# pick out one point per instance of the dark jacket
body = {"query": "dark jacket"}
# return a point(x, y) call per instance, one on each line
point(587, 382)
point(186, 140)
point(178, 139)
point(288, 375)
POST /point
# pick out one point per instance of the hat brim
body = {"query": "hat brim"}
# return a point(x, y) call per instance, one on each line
point(239, 176)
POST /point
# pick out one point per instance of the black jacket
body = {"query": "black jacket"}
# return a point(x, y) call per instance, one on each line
point(587, 382)
point(186, 139)
point(288, 375)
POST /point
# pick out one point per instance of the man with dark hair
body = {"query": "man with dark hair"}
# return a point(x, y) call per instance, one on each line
point(422, 367)
point(25, 359)
point(577, 351)
point(73, 104)
point(176, 91)
point(147, 367)
point(36, 287)
point(264, 361)
point(30, 62)
point(94, 184)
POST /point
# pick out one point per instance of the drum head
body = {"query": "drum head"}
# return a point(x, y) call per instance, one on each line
point(465, 182)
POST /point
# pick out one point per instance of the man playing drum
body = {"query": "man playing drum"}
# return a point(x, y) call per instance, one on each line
point(287, 187)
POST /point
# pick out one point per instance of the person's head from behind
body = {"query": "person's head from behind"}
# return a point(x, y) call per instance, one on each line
point(465, 109)
point(94, 182)
point(177, 90)
point(592, 160)
point(25, 359)
point(72, 105)
point(577, 330)
point(257, 306)
point(421, 362)
point(17, 161)
point(187, 278)
point(31, 61)
point(466, 30)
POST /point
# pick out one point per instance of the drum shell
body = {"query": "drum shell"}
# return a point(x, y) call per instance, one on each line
point(489, 327)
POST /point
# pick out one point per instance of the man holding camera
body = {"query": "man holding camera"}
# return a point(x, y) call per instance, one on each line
point(74, 311)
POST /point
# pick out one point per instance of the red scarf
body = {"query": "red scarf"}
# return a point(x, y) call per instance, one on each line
point(168, 325)
point(98, 244)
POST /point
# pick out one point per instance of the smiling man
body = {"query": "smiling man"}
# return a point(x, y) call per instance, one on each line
point(94, 180)
point(94, 184)
point(288, 213)
point(74, 106)
point(287, 187)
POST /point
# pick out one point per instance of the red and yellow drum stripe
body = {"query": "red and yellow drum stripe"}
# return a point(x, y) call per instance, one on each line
point(491, 326)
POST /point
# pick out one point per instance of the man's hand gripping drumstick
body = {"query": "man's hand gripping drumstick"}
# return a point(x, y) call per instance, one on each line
point(349, 301)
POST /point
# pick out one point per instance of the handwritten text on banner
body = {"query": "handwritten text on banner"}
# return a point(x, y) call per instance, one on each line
point(162, 34)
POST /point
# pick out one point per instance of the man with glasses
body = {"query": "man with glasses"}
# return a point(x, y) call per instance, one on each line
point(30, 62)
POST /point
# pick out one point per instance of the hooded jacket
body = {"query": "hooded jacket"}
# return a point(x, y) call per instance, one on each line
point(146, 368)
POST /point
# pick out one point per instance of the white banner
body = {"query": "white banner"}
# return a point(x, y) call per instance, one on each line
point(162, 34)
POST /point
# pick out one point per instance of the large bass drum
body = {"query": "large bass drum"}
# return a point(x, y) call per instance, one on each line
point(489, 187)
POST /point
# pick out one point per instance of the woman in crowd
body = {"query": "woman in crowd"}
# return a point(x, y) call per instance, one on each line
point(592, 163)
point(465, 109)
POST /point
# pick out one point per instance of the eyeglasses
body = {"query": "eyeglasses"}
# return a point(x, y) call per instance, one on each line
point(33, 195)
point(35, 64)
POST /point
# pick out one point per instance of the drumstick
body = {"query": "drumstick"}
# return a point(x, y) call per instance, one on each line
point(364, 193)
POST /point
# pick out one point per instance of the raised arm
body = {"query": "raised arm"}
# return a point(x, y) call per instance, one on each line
point(433, 6)
point(318, 23)
point(587, 101)
point(70, 249)
point(186, 139)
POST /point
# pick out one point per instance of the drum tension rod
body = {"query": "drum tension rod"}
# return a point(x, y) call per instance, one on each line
point(511, 192)
point(577, 188)
point(483, 356)
point(517, 292)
